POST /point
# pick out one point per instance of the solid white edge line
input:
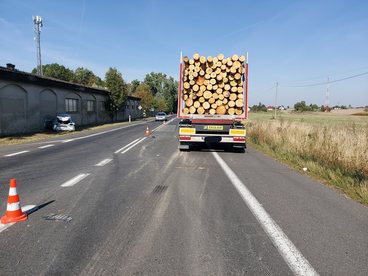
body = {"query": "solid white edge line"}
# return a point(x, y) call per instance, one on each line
point(47, 146)
point(133, 145)
point(16, 153)
point(126, 146)
point(100, 133)
point(292, 256)
point(103, 162)
point(75, 180)
point(6, 226)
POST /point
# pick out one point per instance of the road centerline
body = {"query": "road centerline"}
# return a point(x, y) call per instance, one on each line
point(103, 162)
point(16, 153)
point(133, 145)
point(75, 180)
point(119, 150)
point(47, 146)
point(292, 256)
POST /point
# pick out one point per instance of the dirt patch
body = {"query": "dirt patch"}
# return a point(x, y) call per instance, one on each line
point(351, 111)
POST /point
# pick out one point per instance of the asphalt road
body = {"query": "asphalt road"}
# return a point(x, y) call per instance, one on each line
point(119, 203)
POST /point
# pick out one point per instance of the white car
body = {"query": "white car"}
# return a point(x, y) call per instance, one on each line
point(161, 116)
point(63, 122)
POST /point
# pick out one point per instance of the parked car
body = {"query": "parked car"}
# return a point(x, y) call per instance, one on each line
point(63, 122)
point(161, 116)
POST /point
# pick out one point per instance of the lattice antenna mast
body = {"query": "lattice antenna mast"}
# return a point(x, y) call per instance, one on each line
point(37, 25)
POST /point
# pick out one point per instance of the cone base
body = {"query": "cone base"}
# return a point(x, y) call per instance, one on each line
point(6, 220)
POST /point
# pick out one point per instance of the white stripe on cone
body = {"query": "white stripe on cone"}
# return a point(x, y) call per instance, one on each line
point(13, 206)
point(12, 191)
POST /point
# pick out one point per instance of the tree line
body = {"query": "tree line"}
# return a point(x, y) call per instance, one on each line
point(158, 92)
point(301, 106)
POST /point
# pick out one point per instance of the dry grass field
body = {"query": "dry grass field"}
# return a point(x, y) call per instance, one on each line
point(332, 146)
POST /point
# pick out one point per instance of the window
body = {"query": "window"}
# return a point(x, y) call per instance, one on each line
point(102, 106)
point(90, 106)
point(71, 105)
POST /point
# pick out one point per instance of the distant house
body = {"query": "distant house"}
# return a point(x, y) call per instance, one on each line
point(28, 100)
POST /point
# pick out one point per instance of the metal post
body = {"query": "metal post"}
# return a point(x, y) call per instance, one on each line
point(277, 84)
point(130, 119)
point(37, 20)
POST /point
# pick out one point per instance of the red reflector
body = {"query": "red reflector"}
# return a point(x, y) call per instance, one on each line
point(239, 139)
point(184, 137)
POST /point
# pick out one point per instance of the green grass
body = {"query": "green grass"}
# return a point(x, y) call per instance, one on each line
point(334, 148)
point(315, 118)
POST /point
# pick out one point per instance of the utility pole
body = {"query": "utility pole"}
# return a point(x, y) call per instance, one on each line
point(327, 97)
point(37, 25)
point(277, 84)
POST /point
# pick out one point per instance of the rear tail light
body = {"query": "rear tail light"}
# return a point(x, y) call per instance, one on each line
point(184, 138)
point(239, 139)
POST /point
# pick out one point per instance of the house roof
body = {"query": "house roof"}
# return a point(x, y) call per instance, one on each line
point(10, 73)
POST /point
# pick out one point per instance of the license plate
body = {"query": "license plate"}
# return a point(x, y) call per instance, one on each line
point(215, 127)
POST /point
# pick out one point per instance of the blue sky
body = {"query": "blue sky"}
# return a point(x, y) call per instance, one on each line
point(292, 42)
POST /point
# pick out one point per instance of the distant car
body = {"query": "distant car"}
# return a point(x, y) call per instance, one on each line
point(161, 116)
point(63, 122)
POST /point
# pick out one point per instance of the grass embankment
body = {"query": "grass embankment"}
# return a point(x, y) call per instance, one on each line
point(333, 148)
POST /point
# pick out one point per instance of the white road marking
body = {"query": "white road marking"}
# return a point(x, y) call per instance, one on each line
point(292, 256)
point(126, 146)
point(47, 146)
point(75, 180)
point(103, 162)
point(100, 133)
point(24, 209)
point(16, 153)
point(132, 146)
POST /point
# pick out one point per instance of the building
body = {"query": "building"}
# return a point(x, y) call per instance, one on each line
point(28, 100)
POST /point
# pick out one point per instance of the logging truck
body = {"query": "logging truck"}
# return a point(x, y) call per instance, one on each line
point(212, 101)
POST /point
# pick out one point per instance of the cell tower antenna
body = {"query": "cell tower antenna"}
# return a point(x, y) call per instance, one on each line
point(37, 25)
point(327, 97)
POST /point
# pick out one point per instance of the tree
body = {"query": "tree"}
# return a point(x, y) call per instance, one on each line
point(159, 103)
point(259, 108)
point(155, 81)
point(85, 77)
point(134, 85)
point(170, 93)
point(118, 91)
point(57, 71)
point(164, 88)
point(300, 106)
point(143, 92)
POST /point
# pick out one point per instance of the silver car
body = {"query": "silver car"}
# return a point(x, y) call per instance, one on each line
point(63, 122)
point(161, 116)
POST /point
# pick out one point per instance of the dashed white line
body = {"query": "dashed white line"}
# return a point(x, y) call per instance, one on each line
point(124, 151)
point(24, 209)
point(16, 153)
point(47, 146)
point(103, 162)
point(126, 146)
point(75, 180)
point(292, 256)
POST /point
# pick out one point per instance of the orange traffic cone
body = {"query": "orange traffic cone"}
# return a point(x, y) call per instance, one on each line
point(148, 132)
point(13, 211)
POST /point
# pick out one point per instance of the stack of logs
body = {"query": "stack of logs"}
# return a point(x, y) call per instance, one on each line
point(213, 85)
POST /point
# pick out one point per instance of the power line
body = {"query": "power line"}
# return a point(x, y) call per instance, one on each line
point(324, 83)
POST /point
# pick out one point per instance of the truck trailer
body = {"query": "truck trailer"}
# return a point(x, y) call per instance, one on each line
point(213, 101)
